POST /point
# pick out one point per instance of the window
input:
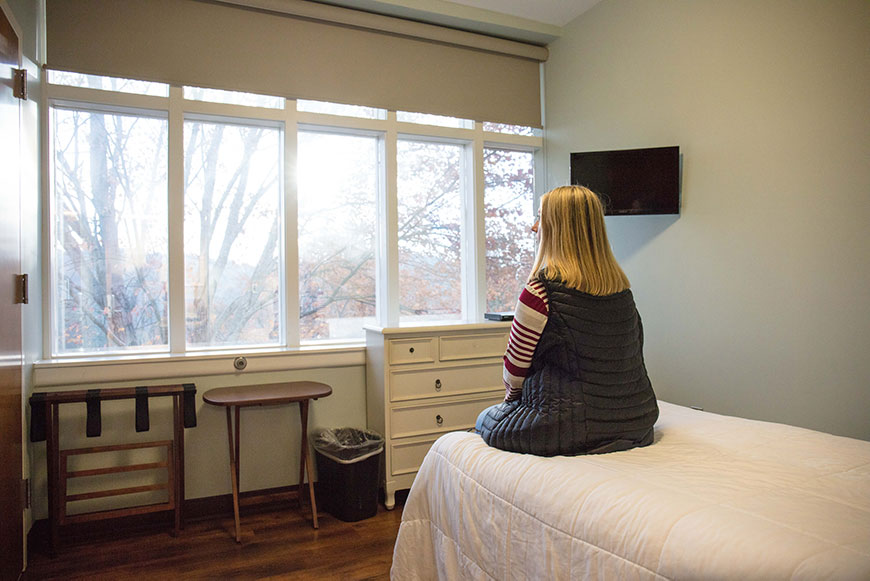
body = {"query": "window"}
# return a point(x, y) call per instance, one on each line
point(232, 233)
point(339, 109)
point(108, 83)
point(509, 211)
point(110, 234)
point(169, 225)
point(338, 182)
point(431, 181)
point(511, 129)
point(437, 120)
point(233, 98)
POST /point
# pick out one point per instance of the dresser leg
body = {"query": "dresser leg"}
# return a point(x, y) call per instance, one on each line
point(390, 499)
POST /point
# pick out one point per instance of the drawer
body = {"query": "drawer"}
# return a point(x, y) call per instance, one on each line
point(416, 350)
point(444, 381)
point(424, 419)
point(454, 347)
point(407, 456)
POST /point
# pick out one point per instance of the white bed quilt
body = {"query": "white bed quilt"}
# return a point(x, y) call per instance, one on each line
point(714, 497)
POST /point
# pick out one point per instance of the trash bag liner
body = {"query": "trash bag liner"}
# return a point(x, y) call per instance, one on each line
point(347, 445)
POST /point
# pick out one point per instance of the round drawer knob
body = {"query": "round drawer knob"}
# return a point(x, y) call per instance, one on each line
point(437, 385)
point(439, 420)
point(411, 349)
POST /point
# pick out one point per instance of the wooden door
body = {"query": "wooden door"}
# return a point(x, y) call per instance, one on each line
point(11, 506)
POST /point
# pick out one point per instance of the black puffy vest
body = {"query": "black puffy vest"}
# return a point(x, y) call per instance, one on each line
point(587, 390)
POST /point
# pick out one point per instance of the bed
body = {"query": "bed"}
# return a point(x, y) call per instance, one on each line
point(714, 497)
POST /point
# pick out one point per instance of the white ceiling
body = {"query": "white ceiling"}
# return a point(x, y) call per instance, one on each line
point(555, 12)
point(533, 21)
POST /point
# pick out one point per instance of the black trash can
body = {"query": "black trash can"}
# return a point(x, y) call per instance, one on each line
point(348, 470)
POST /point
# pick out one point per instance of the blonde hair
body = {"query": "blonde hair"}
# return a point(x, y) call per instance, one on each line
point(573, 245)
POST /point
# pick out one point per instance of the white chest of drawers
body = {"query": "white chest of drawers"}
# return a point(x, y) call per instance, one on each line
point(422, 382)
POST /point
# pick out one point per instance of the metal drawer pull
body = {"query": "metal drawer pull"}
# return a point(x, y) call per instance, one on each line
point(439, 420)
point(411, 349)
point(437, 385)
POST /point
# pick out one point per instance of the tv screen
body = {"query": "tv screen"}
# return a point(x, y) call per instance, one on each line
point(631, 181)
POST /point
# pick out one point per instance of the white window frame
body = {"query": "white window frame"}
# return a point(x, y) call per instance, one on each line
point(468, 228)
point(177, 319)
point(380, 221)
point(292, 353)
point(114, 107)
point(505, 142)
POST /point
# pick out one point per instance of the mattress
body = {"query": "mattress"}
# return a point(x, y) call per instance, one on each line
point(714, 497)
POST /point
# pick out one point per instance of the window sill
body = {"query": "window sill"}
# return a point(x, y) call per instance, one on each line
point(149, 367)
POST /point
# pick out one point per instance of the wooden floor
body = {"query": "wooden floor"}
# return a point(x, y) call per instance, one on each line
point(278, 542)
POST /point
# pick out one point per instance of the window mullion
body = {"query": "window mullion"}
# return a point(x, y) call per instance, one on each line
point(388, 230)
point(177, 331)
point(540, 165)
point(49, 231)
point(475, 237)
point(290, 276)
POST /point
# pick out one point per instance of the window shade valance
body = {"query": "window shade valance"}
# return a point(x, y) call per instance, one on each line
point(300, 49)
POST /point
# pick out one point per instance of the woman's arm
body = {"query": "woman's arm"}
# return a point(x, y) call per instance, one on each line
point(530, 318)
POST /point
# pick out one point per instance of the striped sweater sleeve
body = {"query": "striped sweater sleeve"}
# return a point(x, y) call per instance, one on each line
point(530, 318)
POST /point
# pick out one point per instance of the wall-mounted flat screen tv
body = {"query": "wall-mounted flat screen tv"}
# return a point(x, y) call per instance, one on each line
point(631, 181)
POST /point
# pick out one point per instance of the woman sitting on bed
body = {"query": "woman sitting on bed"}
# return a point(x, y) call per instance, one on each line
point(574, 374)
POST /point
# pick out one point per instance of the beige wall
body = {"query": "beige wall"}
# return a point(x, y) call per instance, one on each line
point(756, 299)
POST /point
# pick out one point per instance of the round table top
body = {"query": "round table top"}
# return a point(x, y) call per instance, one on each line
point(266, 394)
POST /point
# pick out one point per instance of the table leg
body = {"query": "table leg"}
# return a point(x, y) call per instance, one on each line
point(179, 425)
point(301, 487)
point(238, 448)
point(177, 462)
point(234, 469)
point(52, 453)
point(305, 462)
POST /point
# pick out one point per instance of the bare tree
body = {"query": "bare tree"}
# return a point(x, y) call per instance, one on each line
point(222, 197)
point(114, 272)
point(115, 292)
point(509, 241)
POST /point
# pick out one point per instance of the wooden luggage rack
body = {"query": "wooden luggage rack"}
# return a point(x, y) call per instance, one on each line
point(45, 425)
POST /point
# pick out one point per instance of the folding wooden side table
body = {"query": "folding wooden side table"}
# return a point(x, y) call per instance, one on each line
point(270, 394)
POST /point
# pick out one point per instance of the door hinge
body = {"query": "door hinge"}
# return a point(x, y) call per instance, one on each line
point(20, 89)
point(25, 493)
point(22, 292)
